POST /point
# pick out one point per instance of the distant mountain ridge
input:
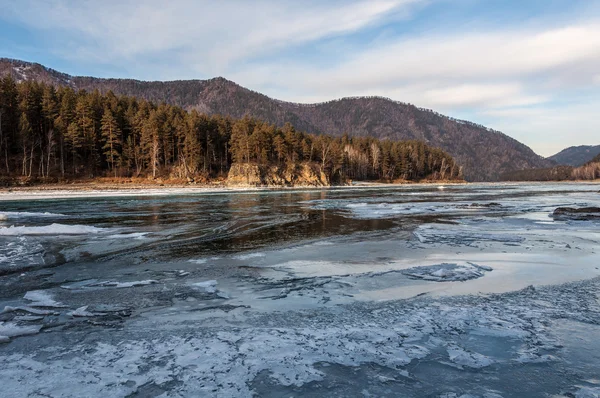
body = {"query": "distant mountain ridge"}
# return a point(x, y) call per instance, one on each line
point(485, 154)
point(576, 155)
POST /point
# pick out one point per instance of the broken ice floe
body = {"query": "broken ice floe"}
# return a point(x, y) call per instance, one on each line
point(462, 357)
point(460, 235)
point(93, 283)
point(81, 312)
point(9, 330)
point(30, 310)
point(20, 253)
point(124, 284)
point(588, 392)
point(290, 347)
point(207, 286)
point(17, 215)
point(42, 298)
point(447, 272)
point(248, 256)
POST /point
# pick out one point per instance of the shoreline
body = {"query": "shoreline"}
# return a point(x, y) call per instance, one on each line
point(95, 189)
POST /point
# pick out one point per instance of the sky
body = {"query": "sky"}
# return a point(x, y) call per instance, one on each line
point(529, 68)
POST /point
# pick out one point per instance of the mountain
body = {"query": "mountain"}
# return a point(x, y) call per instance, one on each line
point(485, 154)
point(576, 155)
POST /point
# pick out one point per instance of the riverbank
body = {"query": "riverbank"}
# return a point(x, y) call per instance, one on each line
point(142, 187)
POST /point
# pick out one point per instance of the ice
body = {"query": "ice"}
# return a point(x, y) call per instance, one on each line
point(93, 283)
point(20, 252)
point(15, 215)
point(81, 312)
point(134, 235)
point(588, 392)
point(364, 313)
point(120, 193)
point(42, 298)
point(248, 256)
point(52, 229)
point(30, 310)
point(28, 318)
point(9, 330)
point(208, 286)
point(462, 235)
point(203, 260)
point(447, 272)
point(462, 357)
point(124, 284)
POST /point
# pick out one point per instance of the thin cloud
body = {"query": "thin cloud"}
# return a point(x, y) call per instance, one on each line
point(206, 34)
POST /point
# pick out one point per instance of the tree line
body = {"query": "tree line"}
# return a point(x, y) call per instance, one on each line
point(48, 132)
point(589, 171)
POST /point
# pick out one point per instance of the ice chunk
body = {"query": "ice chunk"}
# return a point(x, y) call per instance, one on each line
point(9, 329)
point(35, 311)
point(52, 229)
point(588, 392)
point(207, 286)
point(41, 298)
point(447, 272)
point(462, 357)
point(248, 256)
point(14, 215)
point(133, 235)
point(125, 284)
point(28, 318)
point(81, 312)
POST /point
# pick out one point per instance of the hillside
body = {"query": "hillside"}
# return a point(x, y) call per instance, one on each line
point(576, 155)
point(49, 134)
point(484, 154)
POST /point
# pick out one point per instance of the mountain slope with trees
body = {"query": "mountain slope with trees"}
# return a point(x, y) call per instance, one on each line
point(587, 172)
point(485, 154)
point(48, 132)
point(576, 155)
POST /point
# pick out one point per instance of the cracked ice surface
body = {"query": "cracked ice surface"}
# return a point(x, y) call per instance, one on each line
point(291, 347)
point(409, 291)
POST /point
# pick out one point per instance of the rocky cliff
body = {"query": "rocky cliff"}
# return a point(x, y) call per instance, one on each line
point(254, 175)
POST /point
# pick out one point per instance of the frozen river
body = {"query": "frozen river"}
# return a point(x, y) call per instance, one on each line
point(410, 291)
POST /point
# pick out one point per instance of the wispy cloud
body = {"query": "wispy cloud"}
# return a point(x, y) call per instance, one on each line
point(207, 37)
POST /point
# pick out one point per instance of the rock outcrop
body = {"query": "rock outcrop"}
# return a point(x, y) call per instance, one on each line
point(255, 175)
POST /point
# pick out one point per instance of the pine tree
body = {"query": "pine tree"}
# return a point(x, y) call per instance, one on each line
point(111, 135)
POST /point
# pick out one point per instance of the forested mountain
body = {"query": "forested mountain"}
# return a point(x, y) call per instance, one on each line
point(59, 132)
point(484, 153)
point(588, 171)
point(576, 155)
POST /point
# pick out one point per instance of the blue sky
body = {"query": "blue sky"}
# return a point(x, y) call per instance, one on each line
point(529, 68)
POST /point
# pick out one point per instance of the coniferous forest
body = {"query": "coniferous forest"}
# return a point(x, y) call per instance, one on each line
point(50, 134)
